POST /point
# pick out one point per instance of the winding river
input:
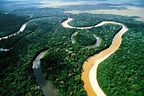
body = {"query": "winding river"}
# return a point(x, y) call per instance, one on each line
point(90, 66)
point(46, 86)
point(97, 44)
point(22, 28)
point(89, 74)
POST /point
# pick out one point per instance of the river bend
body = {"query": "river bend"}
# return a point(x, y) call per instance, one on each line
point(90, 66)
point(89, 74)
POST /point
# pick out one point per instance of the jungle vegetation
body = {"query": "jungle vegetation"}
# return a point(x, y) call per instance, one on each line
point(121, 74)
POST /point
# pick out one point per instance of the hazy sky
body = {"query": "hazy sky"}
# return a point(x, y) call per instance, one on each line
point(58, 3)
point(55, 3)
point(70, 2)
point(128, 1)
point(134, 9)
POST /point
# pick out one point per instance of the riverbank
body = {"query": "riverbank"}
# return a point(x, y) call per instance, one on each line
point(97, 42)
point(90, 65)
point(46, 86)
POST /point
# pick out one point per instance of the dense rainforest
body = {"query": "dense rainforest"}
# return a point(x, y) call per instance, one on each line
point(121, 74)
point(10, 23)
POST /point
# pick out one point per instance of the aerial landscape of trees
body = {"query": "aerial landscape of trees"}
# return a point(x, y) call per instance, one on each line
point(121, 74)
point(10, 23)
point(85, 38)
